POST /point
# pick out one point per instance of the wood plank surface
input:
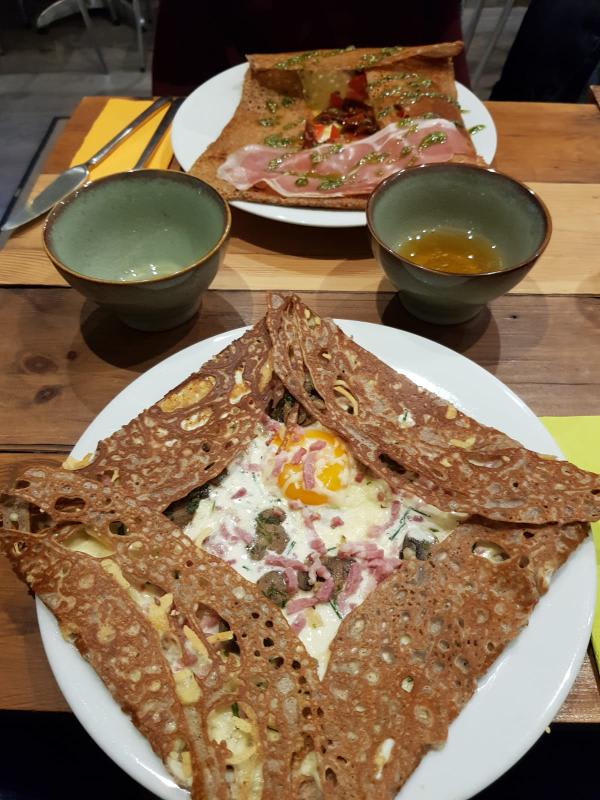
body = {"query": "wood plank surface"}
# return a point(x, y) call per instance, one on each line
point(263, 255)
point(531, 139)
point(65, 359)
point(552, 142)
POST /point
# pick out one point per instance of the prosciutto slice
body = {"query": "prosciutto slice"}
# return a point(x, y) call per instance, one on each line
point(333, 170)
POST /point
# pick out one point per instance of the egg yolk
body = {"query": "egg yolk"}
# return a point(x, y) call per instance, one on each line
point(333, 460)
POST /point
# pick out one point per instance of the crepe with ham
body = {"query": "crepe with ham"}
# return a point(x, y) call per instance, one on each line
point(323, 128)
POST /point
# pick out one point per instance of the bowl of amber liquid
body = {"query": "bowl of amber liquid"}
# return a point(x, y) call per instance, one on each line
point(452, 237)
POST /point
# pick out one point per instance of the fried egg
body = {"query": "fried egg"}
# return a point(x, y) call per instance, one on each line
point(317, 499)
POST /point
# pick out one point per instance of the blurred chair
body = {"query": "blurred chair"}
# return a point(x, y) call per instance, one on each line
point(493, 38)
point(65, 8)
point(128, 10)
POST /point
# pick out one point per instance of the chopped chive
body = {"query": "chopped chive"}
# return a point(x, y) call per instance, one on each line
point(333, 604)
point(235, 709)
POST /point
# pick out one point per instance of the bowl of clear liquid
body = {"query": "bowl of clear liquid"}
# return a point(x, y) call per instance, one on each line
point(145, 244)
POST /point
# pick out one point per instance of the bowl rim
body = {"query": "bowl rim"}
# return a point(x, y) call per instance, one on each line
point(170, 174)
point(397, 176)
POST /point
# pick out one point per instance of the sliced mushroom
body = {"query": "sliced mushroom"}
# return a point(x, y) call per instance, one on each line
point(339, 569)
point(272, 585)
point(270, 533)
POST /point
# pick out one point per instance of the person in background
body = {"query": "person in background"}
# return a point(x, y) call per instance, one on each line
point(554, 54)
point(194, 43)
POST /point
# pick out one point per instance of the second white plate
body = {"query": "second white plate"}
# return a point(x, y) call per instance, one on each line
point(209, 108)
point(525, 687)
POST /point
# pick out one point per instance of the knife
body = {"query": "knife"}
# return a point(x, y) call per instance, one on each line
point(73, 177)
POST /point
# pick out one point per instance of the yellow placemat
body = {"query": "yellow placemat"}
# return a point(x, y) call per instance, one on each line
point(579, 439)
point(115, 115)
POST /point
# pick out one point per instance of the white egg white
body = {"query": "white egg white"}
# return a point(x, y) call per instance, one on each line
point(224, 523)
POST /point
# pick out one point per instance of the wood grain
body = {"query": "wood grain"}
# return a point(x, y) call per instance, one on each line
point(65, 359)
point(552, 142)
point(263, 255)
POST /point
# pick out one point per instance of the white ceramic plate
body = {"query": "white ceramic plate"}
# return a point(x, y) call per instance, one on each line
point(524, 689)
point(209, 108)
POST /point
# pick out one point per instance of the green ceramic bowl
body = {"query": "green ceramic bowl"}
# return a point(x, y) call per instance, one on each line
point(144, 244)
point(462, 197)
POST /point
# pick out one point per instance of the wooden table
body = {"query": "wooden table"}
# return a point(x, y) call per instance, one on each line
point(62, 359)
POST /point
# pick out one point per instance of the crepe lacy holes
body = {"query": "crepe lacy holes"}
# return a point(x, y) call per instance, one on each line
point(330, 776)
point(490, 550)
point(277, 662)
point(296, 664)
point(345, 399)
point(407, 684)
point(21, 484)
point(267, 642)
point(490, 647)
point(119, 528)
point(528, 534)
point(69, 504)
point(393, 465)
point(37, 521)
point(423, 715)
point(523, 562)
point(462, 664)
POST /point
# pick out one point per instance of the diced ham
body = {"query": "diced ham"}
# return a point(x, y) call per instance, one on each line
point(300, 604)
point(359, 477)
point(280, 460)
point(318, 445)
point(298, 455)
point(282, 561)
point(336, 522)
point(270, 424)
point(254, 468)
point(291, 580)
point(295, 505)
point(298, 623)
point(360, 549)
point(353, 580)
point(415, 518)
point(357, 167)
point(382, 567)
point(324, 592)
point(318, 545)
point(317, 569)
point(395, 511)
point(243, 535)
point(188, 658)
point(240, 493)
point(309, 522)
point(308, 471)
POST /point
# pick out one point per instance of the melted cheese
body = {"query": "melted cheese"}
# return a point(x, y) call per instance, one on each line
point(83, 542)
point(186, 687)
point(382, 756)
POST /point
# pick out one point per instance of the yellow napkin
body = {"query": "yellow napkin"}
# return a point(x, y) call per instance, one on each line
point(115, 115)
point(579, 439)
